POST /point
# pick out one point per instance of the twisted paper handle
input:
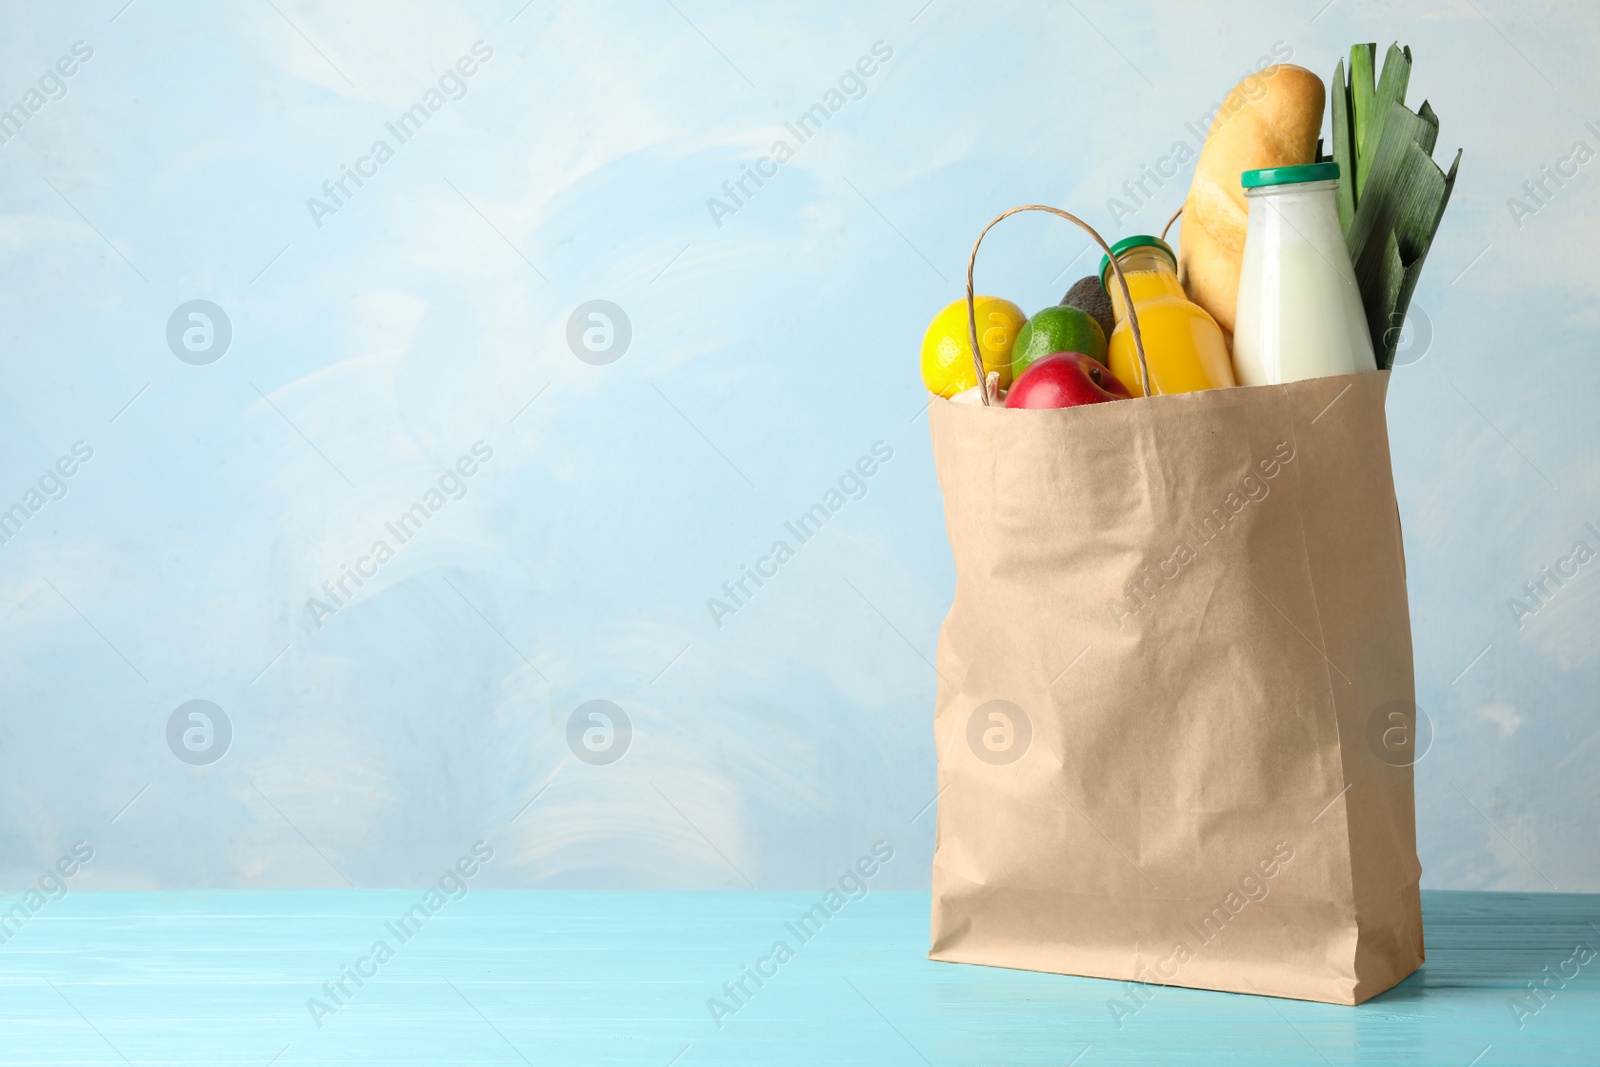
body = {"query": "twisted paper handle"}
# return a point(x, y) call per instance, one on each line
point(1116, 268)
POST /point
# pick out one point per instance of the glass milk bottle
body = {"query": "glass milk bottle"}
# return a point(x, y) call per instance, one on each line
point(1299, 313)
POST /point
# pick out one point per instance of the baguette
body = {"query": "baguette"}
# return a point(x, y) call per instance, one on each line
point(1271, 119)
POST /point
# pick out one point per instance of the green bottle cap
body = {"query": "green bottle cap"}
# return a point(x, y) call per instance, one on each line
point(1138, 240)
point(1311, 172)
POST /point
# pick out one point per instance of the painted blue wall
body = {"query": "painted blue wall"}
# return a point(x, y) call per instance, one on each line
point(378, 339)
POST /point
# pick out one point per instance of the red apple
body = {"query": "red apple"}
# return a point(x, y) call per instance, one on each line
point(1065, 380)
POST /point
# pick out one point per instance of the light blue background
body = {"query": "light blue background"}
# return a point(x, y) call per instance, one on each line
point(768, 354)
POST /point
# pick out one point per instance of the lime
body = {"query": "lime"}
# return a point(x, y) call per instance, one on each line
point(1058, 329)
point(947, 348)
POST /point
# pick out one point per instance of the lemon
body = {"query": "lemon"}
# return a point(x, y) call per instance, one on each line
point(947, 350)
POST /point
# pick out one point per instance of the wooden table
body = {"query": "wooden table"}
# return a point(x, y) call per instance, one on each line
point(540, 977)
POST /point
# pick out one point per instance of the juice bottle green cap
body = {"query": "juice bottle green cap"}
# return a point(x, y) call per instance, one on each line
point(1138, 240)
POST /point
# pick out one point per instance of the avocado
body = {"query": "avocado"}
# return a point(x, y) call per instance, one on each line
point(1087, 294)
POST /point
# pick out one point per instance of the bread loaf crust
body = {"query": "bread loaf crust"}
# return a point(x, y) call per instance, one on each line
point(1271, 119)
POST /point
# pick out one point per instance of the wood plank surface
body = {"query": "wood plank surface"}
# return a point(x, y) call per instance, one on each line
point(543, 977)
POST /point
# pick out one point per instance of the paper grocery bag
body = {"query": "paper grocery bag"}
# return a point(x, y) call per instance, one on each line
point(1175, 718)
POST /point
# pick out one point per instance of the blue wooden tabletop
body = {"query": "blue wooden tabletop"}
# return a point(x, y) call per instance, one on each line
point(542, 977)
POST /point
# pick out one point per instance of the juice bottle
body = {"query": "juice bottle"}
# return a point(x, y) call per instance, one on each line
point(1183, 345)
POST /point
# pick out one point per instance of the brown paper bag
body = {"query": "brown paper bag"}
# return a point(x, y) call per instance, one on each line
point(1175, 707)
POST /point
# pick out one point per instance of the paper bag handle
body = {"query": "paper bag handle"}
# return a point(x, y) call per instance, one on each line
point(1174, 218)
point(1116, 268)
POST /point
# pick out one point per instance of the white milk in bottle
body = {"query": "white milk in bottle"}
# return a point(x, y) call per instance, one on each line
point(1299, 313)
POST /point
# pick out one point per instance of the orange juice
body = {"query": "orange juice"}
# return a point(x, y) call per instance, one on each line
point(1183, 345)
